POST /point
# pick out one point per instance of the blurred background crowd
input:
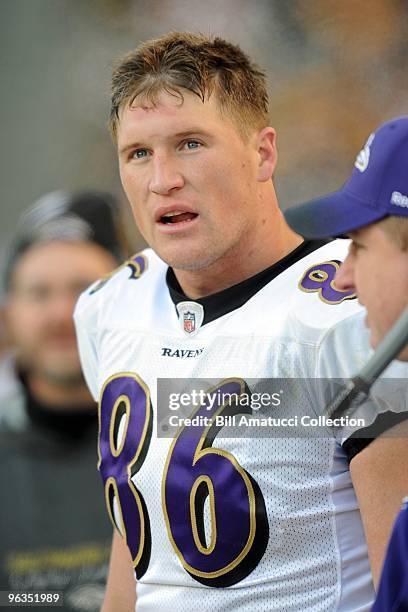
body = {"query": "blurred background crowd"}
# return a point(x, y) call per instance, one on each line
point(336, 69)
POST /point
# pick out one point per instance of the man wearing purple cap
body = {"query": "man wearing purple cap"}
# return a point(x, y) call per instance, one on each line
point(372, 208)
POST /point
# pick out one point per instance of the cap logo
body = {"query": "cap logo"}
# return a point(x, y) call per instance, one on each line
point(363, 157)
point(399, 199)
point(191, 316)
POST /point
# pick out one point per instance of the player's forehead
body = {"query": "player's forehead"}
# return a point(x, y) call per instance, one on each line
point(167, 115)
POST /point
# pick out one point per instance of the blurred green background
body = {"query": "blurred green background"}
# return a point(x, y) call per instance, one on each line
point(336, 68)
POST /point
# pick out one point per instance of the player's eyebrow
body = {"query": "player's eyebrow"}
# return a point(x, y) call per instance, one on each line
point(194, 131)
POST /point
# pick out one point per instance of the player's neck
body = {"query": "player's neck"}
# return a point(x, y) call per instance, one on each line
point(241, 263)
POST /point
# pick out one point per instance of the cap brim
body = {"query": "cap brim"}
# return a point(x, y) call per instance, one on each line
point(334, 215)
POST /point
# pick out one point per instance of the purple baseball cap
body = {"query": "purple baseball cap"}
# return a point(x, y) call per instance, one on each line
point(377, 188)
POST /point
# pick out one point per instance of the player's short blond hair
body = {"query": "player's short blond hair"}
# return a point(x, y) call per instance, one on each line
point(396, 229)
point(202, 65)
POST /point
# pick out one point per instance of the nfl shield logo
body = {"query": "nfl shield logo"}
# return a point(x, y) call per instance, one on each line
point(190, 316)
point(189, 322)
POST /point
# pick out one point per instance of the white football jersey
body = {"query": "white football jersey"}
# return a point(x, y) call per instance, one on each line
point(217, 521)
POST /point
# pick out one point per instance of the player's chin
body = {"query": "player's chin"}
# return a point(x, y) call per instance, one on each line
point(184, 255)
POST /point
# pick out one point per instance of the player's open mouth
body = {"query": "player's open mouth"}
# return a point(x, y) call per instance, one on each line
point(174, 217)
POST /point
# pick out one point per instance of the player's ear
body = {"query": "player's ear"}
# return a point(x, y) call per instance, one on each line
point(267, 154)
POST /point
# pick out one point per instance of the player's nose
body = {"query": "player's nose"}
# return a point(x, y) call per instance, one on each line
point(166, 176)
point(344, 279)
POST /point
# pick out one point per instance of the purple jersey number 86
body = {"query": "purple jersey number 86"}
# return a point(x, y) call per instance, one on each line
point(194, 473)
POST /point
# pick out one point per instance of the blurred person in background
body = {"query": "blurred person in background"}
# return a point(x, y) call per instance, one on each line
point(54, 535)
point(372, 209)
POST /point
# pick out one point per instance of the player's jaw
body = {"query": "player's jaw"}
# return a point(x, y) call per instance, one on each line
point(193, 230)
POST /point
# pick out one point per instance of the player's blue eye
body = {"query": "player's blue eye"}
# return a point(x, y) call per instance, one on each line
point(140, 153)
point(192, 144)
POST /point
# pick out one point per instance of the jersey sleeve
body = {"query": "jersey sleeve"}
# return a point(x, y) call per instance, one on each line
point(86, 331)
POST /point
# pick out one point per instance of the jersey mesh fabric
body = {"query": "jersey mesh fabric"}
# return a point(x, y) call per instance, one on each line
point(309, 562)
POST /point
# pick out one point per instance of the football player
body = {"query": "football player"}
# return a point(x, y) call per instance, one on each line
point(227, 293)
point(372, 208)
